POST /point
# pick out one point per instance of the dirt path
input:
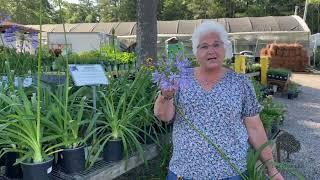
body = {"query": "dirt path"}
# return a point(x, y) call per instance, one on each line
point(303, 121)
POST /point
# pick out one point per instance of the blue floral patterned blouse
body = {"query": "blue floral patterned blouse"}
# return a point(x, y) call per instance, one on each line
point(219, 114)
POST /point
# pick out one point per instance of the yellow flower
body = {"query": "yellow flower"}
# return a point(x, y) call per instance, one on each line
point(149, 60)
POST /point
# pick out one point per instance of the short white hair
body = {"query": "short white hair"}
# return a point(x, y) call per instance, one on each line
point(211, 27)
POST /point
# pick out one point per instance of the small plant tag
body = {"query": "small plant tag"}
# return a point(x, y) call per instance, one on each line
point(49, 170)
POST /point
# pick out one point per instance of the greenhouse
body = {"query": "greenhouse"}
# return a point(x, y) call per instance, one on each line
point(247, 33)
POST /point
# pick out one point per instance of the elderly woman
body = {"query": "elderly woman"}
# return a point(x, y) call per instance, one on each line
point(220, 103)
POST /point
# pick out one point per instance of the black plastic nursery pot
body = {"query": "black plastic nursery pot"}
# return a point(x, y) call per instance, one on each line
point(12, 171)
point(113, 151)
point(37, 171)
point(2, 161)
point(72, 160)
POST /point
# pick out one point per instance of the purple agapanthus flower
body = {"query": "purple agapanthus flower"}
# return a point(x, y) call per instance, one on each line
point(182, 64)
point(156, 76)
point(172, 74)
point(10, 33)
point(33, 36)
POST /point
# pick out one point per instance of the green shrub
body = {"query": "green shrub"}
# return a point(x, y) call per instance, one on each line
point(255, 67)
point(271, 113)
point(116, 56)
point(23, 63)
point(106, 55)
point(279, 72)
point(20, 63)
point(294, 87)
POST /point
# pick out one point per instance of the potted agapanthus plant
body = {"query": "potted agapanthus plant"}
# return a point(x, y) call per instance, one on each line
point(25, 132)
point(12, 170)
point(75, 125)
point(68, 117)
point(293, 90)
point(117, 129)
point(145, 119)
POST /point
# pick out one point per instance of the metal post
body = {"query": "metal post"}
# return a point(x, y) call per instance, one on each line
point(296, 8)
point(94, 101)
point(255, 49)
point(234, 46)
point(94, 98)
point(305, 11)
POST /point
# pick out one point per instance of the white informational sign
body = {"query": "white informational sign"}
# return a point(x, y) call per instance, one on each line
point(88, 74)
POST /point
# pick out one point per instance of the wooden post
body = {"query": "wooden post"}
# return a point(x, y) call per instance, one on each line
point(264, 62)
point(240, 64)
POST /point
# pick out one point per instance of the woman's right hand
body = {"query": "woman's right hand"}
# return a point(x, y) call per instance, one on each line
point(164, 107)
point(168, 94)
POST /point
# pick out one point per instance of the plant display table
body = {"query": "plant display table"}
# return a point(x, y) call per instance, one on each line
point(282, 84)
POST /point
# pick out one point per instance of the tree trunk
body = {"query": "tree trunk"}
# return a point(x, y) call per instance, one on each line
point(146, 30)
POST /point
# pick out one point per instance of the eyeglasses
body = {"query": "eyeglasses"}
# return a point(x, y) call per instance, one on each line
point(205, 46)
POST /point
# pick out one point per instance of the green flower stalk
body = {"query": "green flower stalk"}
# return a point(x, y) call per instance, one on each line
point(37, 155)
point(67, 62)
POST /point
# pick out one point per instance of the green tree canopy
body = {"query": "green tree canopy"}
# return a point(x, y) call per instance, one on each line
point(314, 1)
point(26, 12)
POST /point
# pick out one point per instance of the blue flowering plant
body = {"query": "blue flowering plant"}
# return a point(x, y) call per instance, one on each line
point(14, 33)
point(172, 74)
point(16, 56)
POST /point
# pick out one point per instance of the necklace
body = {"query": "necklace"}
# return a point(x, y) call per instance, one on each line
point(207, 82)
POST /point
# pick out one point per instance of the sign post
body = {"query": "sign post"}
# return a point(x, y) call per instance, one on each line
point(89, 75)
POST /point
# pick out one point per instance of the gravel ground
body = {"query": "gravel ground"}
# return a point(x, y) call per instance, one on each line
point(303, 121)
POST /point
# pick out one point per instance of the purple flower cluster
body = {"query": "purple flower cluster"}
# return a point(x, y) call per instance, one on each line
point(172, 74)
point(10, 33)
point(33, 36)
